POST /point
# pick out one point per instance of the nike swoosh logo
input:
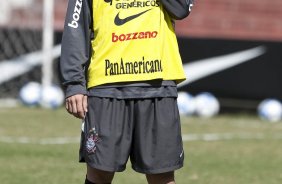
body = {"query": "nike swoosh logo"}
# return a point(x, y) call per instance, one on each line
point(118, 21)
point(181, 154)
point(23, 64)
point(203, 68)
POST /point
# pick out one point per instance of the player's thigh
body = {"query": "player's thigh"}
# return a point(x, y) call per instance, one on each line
point(157, 143)
point(107, 134)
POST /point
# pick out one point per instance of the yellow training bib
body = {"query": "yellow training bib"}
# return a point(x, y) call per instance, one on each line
point(134, 40)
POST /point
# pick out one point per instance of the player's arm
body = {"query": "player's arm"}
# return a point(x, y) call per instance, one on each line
point(178, 9)
point(75, 55)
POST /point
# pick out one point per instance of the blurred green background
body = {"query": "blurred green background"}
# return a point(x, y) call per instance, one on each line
point(41, 146)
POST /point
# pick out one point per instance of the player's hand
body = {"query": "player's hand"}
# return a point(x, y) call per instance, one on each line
point(77, 105)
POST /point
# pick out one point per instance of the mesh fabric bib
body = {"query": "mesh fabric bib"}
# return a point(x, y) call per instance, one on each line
point(134, 40)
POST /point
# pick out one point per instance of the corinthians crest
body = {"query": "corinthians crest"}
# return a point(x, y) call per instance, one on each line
point(91, 141)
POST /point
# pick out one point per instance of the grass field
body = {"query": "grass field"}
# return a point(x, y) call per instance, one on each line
point(41, 146)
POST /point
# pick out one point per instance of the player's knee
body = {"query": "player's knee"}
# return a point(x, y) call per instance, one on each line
point(99, 179)
point(87, 181)
point(98, 176)
point(167, 178)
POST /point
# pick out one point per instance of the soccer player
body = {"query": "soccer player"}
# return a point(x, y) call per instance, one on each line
point(120, 65)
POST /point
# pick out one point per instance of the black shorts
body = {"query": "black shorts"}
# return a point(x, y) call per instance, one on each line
point(145, 130)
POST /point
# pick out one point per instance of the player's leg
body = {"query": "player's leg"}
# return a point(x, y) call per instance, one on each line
point(106, 138)
point(157, 148)
point(95, 176)
point(162, 178)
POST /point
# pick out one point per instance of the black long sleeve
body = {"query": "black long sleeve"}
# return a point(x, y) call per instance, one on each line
point(178, 9)
point(76, 46)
